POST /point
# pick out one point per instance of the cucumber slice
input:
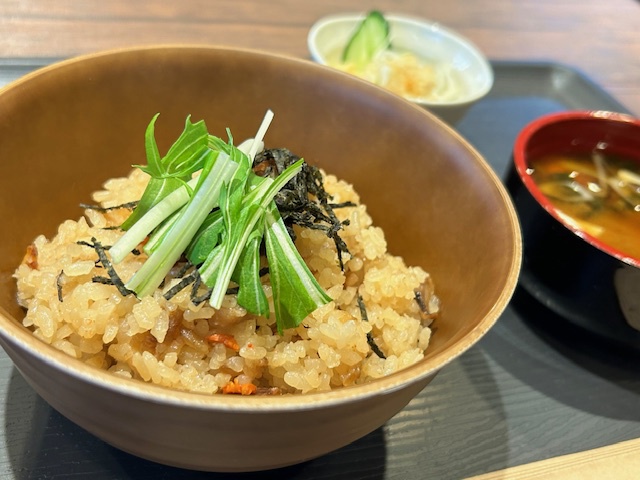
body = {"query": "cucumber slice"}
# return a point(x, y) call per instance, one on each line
point(371, 37)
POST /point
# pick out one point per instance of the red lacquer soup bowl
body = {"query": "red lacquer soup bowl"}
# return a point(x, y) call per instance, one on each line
point(592, 282)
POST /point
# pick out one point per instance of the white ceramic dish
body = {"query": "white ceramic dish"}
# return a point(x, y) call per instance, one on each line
point(428, 40)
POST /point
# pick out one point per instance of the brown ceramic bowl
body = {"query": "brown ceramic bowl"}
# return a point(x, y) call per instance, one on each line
point(67, 128)
point(591, 283)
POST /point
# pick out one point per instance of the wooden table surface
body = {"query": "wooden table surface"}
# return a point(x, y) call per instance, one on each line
point(598, 37)
point(534, 387)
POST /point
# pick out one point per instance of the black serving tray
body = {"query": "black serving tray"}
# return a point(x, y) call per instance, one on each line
point(521, 93)
point(535, 387)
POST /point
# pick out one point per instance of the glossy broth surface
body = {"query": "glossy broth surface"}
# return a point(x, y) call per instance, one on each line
point(596, 193)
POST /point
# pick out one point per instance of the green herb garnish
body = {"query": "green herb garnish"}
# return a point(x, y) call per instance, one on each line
point(205, 203)
point(185, 157)
point(294, 288)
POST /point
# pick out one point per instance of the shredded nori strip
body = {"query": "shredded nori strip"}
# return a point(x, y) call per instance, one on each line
point(106, 263)
point(417, 294)
point(342, 205)
point(99, 208)
point(370, 340)
point(102, 280)
point(202, 298)
point(59, 285)
point(182, 284)
point(294, 202)
point(196, 285)
point(184, 269)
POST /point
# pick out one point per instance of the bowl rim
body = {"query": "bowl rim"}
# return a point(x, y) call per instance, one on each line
point(521, 164)
point(13, 334)
point(400, 19)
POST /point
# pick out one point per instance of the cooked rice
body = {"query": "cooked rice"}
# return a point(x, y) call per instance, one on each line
point(165, 342)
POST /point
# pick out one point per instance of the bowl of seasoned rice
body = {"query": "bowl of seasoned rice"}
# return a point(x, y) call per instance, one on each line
point(217, 251)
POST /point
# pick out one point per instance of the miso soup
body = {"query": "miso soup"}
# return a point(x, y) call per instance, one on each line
point(596, 193)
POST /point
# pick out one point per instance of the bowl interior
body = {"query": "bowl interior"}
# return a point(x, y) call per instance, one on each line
point(429, 40)
point(66, 129)
point(579, 132)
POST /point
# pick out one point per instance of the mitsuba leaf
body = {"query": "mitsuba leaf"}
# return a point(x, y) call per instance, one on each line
point(156, 190)
point(186, 156)
point(154, 164)
point(242, 211)
point(247, 275)
point(209, 235)
point(176, 240)
point(219, 265)
point(296, 292)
